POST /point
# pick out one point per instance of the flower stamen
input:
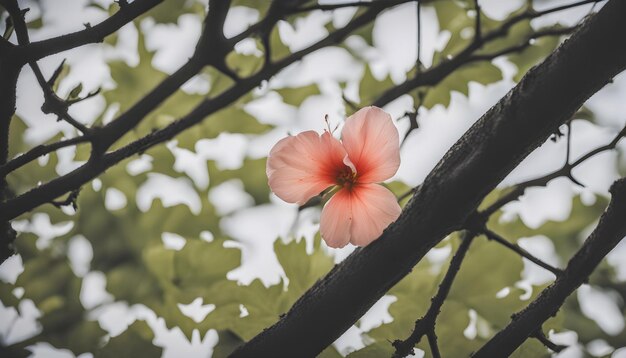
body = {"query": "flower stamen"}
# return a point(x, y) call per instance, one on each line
point(346, 177)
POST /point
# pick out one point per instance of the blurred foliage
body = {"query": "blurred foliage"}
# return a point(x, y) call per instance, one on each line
point(140, 270)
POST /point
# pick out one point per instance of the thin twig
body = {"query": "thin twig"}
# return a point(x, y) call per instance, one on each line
point(96, 33)
point(328, 7)
point(609, 232)
point(568, 148)
point(541, 337)
point(418, 63)
point(467, 54)
point(524, 45)
point(52, 103)
point(407, 193)
point(477, 25)
point(432, 342)
point(426, 324)
point(419, 96)
point(103, 137)
point(37, 152)
point(70, 200)
point(520, 251)
point(565, 171)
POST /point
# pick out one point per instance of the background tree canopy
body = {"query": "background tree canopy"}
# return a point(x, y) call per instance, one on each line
point(136, 217)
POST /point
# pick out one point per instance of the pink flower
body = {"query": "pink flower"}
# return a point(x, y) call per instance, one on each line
point(302, 166)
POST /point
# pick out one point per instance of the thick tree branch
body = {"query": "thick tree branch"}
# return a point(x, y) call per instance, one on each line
point(610, 231)
point(106, 136)
point(211, 49)
point(545, 98)
point(426, 324)
point(9, 71)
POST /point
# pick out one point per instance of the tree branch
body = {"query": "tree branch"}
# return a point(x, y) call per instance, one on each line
point(520, 251)
point(52, 103)
point(426, 324)
point(565, 171)
point(103, 137)
point(432, 343)
point(93, 34)
point(9, 72)
point(556, 348)
point(609, 232)
point(328, 7)
point(478, 33)
point(211, 49)
point(37, 152)
point(545, 98)
point(522, 46)
point(446, 67)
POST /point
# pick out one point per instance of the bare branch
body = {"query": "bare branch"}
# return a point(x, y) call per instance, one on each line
point(328, 7)
point(444, 68)
point(408, 193)
point(477, 26)
point(524, 45)
point(541, 337)
point(37, 152)
point(520, 251)
point(97, 33)
point(432, 343)
point(607, 234)
point(426, 324)
point(104, 137)
point(566, 171)
point(52, 103)
point(70, 200)
point(482, 157)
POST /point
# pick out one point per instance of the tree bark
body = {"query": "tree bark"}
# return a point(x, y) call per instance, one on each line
point(9, 72)
point(545, 98)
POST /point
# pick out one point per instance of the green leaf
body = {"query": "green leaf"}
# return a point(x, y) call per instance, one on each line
point(413, 295)
point(227, 343)
point(564, 234)
point(379, 349)
point(244, 65)
point(278, 48)
point(484, 73)
point(35, 24)
point(533, 54)
point(452, 16)
point(75, 91)
point(136, 341)
point(169, 10)
point(585, 113)
point(295, 96)
point(370, 88)
point(301, 269)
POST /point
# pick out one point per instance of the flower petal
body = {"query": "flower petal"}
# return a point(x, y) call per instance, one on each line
point(373, 144)
point(374, 207)
point(336, 219)
point(302, 166)
point(358, 215)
